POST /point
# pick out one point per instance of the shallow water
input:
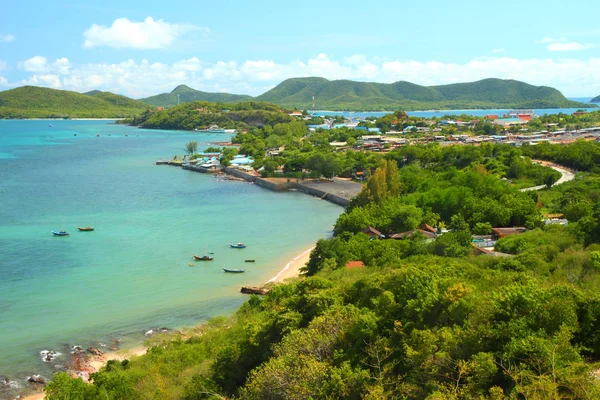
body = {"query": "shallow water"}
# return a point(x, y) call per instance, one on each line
point(133, 272)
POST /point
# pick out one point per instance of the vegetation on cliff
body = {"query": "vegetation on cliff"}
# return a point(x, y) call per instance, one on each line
point(37, 102)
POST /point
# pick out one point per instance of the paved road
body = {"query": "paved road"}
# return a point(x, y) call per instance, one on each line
point(566, 175)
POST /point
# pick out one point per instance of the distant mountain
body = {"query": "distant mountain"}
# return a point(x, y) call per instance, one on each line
point(351, 95)
point(38, 102)
point(187, 94)
point(595, 100)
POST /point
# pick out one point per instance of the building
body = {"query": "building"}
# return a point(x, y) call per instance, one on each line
point(372, 232)
point(508, 122)
point(355, 264)
point(404, 235)
point(499, 233)
point(295, 113)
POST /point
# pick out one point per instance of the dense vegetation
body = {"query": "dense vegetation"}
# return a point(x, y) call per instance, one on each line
point(37, 102)
point(426, 318)
point(185, 94)
point(350, 95)
point(202, 114)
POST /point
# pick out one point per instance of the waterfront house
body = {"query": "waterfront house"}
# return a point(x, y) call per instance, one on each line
point(404, 235)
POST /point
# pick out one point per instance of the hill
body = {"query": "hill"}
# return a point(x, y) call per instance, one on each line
point(38, 102)
point(351, 95)
point(185, 94)
point(595, 100)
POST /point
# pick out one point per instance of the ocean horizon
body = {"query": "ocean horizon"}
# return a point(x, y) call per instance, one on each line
point(135, 272)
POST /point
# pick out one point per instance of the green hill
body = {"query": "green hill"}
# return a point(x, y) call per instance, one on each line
point(38, 102)
point(345, 94)
point(185, 94)
point(595, 99)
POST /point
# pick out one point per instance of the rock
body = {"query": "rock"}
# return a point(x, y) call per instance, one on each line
point(254, 290)
point(114, 349)
point(77, 350)
point(94, 351)
point(49, 355)
point(37, 379)
point(4, 381)
point(164, 330)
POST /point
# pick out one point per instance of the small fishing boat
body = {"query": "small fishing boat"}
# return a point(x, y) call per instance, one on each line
point(249, 260)
point(86, 229)
point(233, 270)
point(61, 233)
point(205, 257)
point(237, 246)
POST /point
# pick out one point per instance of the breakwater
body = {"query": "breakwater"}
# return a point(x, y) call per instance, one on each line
point(337, 191)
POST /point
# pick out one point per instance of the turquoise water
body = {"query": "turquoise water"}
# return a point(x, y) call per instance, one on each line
point(131, 274)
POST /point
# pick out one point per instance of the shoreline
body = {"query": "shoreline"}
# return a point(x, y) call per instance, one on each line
point(95, 363)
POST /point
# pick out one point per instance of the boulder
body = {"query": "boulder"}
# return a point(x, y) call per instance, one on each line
point(95, 351)
point(37, 379)
point(254, 290)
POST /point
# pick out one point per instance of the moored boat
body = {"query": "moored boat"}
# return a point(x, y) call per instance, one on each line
point(61, 233)
point(86, 229)
point(205, 257)
point(237, 246)
point(234, 270)
point(249, 260)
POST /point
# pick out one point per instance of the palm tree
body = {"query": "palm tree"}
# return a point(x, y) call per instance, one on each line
point(191, 147)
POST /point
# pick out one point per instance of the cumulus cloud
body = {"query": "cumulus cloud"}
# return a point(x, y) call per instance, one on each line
point(569, 46)
point(144, 78)
point(149, 34)
point(564, 45)
point(40, 64)
point(7, 38)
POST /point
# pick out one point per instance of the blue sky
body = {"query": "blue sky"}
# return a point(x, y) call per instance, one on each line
point(140, 48)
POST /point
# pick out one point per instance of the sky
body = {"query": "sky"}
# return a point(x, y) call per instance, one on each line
point(142, 48)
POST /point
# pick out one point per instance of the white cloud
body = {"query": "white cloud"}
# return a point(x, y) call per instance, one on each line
point(7, 38)
point(149, 34)
point(568, 46)
point(3, 81)
point(3, 65)
point(39, 64)
point(498, 51)
point(48, 80)
point(144, 78)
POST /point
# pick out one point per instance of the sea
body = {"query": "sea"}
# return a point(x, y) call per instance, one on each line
point(135, 272)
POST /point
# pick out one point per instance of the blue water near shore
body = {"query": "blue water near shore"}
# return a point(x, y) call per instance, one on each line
point(132, 273)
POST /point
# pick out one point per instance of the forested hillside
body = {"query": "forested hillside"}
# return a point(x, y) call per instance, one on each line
point(596, 99)
point(38, 102)
point(184, 94)
point(345, 94)
point(425, 318)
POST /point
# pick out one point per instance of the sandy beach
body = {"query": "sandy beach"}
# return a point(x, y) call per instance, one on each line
point(291, 270)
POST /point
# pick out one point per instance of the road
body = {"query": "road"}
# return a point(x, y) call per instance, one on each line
point(566, 175)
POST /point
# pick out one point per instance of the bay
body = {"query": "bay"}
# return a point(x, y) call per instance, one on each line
point(132, 273)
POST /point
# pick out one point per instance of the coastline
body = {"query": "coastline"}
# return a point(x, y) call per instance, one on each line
point(95, 363)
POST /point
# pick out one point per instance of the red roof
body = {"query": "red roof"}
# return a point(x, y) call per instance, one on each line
point(355, 264)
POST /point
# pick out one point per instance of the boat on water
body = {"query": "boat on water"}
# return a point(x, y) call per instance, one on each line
point(205, 257)
point(86, 229)
point(234, 270)
point(211, 130)
point(60, 233)
point(237, 246)
point(249, 260)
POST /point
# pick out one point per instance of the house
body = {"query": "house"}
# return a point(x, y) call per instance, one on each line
point(499, 233)
point(506, 122)
point(355, 264)
point(404, 235)
point(295, 113)
point(428, 228)
point(373, 233)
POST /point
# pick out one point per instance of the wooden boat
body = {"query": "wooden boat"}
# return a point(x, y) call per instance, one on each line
point(203, 258)
point(86, 229)
point(237, 246)
point(249, 260)
point(61, 233)
point(233, 270)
